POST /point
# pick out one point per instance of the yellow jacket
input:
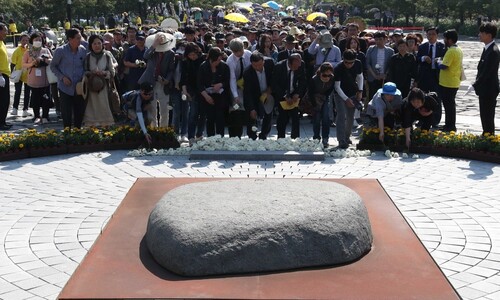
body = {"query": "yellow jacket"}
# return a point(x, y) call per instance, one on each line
point(17, 60)
point(12, 28)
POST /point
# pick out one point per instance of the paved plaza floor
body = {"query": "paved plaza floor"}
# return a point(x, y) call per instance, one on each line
point(53, 208)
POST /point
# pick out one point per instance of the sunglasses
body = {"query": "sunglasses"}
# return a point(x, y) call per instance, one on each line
point(326, 75)
point(349, 62)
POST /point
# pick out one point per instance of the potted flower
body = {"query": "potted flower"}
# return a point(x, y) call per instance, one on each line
point(12, 148)
point(452, 144)
point(48, 142)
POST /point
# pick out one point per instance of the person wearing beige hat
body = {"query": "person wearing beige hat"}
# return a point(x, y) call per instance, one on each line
point(160, 69)
point(290, 48)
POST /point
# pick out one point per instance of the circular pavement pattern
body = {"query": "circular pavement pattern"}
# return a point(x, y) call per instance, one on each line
point(54, 208)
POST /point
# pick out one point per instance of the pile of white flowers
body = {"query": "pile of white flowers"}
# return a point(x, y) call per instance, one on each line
point(390, 154)
point(218, 143)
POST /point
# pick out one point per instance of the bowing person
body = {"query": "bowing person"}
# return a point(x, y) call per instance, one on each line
point(288, 86)
point(160, 69)
point(258, 100)
point(213, 85)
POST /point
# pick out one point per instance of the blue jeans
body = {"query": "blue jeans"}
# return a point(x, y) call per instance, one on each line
point(196, 123)
point(345, 120)
point(322, 119)
point(180, 113)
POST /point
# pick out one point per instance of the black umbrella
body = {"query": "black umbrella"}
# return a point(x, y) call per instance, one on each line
point(289, 19)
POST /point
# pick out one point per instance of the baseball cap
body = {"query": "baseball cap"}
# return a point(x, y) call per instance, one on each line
point(140, 35)
point(398, 31)
point(146, 86)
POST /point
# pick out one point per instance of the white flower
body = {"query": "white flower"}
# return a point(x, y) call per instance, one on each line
point(236, 144)
point(405, 155)
point(415, 156)
point(395, 155)
point(388, 153)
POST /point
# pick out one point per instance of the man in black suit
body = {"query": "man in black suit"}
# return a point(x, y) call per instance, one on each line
point(290, 48)
point(257, 92)
point(428, 74)
point(288, 87)
point(486, 84)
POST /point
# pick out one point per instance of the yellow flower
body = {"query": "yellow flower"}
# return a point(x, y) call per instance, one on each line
point(21, 146)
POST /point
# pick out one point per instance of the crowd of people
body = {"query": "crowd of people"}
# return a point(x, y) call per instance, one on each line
point(203, 78)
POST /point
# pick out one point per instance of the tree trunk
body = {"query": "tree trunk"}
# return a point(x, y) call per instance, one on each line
point(437, 15)
point(407, 20)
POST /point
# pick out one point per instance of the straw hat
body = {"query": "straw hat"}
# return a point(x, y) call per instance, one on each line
point(167, 41)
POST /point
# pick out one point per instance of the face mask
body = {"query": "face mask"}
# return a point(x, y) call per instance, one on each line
point(37, 44)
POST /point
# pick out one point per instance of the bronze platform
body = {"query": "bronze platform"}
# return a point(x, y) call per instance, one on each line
point(119, 266)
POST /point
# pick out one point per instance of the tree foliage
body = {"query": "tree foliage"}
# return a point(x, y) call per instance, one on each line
point(55, 10)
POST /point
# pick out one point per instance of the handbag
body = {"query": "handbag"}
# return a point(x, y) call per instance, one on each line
point(15, 76)
point(51, 77)
point(113, 97)
point(305, 106)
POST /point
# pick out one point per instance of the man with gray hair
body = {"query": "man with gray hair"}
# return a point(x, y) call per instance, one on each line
point(237, 62)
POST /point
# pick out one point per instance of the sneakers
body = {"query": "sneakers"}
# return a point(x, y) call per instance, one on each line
point(183, 139)
point(37, 121)
point(14, 112)
point(25, 114)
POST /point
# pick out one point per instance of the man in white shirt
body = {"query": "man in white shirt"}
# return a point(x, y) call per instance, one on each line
point(237, 62)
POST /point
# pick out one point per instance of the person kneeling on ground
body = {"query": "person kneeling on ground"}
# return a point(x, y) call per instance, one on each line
point(137, 105)
point(384, 108)
point(417, 106)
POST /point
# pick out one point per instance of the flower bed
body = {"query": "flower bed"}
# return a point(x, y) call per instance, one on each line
point(30, 143)
point(452, 144)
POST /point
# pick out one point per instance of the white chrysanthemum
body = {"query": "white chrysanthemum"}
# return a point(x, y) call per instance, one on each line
point(395, 155)
point(415, 156)
point(405, 155)
point(388, 153)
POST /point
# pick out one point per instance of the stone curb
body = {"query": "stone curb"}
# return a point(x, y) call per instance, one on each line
point(257, 155)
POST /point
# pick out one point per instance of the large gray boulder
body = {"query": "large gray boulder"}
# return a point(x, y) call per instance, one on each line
point(241, 226)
